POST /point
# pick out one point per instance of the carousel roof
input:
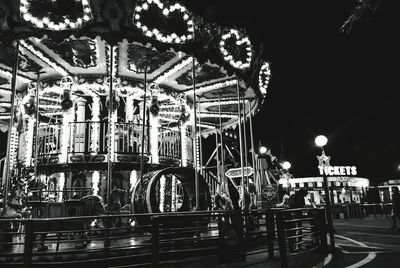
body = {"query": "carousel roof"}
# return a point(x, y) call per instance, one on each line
point(156, 39)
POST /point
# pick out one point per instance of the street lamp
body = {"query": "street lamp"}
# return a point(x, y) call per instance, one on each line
point(321, 141)
point(286, 165)
point(262, 150)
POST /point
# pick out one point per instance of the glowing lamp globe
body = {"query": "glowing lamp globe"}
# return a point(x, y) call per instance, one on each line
point(286, 165)
point(262, 150)
point(321, 140)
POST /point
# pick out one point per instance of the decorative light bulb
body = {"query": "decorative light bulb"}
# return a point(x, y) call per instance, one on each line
point(27, 16)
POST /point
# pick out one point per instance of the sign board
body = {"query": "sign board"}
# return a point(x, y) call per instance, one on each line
point(394, 181)
point(237, 172)
point(338, 170)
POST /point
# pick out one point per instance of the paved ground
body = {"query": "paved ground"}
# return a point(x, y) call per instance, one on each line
point(367, 242)
point(370, 241)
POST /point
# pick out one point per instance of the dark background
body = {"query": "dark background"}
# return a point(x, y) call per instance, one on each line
point(324, 81)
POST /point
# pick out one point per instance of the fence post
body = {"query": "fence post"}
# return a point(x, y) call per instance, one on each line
point(155, 241)
point(28, 245)
point(281, 239)
point(322, 228)
point(270, 221)
point(107, 242)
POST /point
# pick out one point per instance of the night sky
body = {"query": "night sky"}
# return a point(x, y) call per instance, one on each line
point(324, 81)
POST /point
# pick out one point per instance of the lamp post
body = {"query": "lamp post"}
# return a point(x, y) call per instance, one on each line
point(286, 166)
point(321, 141)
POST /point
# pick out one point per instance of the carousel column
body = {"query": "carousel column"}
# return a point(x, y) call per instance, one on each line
point(95, 126)
point(184, 152)
point(154, 132)
point(241, 146)
point(68, 117)
point(129, 109)
point(94, 141)
point(61, 185)
point(195, 140)
point(95, 182)
point(29, 141)
point(132, 180)
point(80, 130)
point(173, 193)
point(162, 193)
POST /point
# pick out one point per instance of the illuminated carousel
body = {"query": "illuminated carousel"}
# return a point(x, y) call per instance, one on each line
point(105, 95)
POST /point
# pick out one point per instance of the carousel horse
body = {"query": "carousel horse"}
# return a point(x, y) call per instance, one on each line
point(94, 206)
point(116, 208)
point(222, 202)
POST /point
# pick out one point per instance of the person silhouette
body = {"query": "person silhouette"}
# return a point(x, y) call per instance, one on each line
point(395, 207)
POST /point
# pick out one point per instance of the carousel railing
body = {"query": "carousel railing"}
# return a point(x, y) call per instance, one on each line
point(169, 143)
point(49, 140)
point(91, 138)
point(88, 137)
point(128, 138)
point(212, 181)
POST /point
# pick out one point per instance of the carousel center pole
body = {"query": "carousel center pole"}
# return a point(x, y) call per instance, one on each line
point(110, 128)
point(245, 139)
point(200, 147)
point(143, 121)
point(196, 176)
point(223, 180)
point(241, 145)
point(37, 126)
point(219, 189)
point(253, 155)
point(6, 178)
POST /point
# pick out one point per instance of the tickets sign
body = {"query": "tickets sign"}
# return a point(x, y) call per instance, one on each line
point(338, 170)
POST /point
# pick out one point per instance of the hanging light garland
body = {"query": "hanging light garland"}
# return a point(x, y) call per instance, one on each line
point(46, 22)
point(212, 87)
point(240, 40)
point(263, 78)
point(41, 56)
point(165, 11)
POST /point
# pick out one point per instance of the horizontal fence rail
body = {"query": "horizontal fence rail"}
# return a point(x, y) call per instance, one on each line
point(154, 239)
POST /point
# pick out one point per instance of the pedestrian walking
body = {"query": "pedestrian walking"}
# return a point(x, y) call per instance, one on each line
point(395, 207)
point(294, 229)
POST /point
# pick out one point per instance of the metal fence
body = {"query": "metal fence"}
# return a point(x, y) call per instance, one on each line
point(169, 143)
point(157, 239)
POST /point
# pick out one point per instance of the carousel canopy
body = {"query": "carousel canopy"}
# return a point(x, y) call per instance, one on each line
point(97, 45)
